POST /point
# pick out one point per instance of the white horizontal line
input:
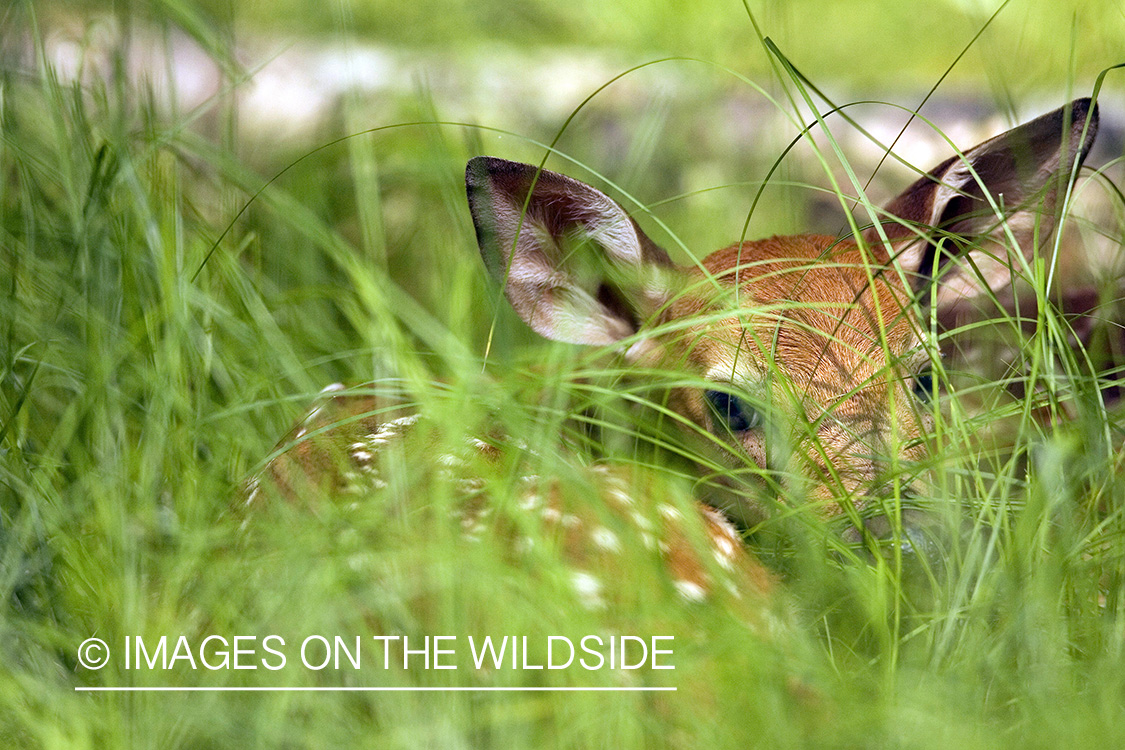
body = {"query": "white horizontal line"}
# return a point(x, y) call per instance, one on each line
point(172, 689)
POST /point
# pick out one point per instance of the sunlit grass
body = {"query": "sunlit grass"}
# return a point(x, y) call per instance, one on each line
point(155, 348)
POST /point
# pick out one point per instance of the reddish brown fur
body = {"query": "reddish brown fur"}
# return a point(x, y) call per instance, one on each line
point(833, 333)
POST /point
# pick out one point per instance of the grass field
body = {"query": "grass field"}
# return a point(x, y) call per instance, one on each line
point(177, 289)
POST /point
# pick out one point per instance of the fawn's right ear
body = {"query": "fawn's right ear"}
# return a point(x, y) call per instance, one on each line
point(573, 264)
point(1003, 189)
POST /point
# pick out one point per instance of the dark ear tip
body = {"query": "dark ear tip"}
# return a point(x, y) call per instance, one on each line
point(1083, 111)
point(1081, 108)
point(481, 168)
point(477, 171)
point(485, 174)
point(1084, 117)
point(481, 176)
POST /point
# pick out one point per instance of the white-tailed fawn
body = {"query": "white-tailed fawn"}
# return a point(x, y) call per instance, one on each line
point(805, 358)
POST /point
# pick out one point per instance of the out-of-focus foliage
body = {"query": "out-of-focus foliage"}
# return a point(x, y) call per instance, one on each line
point(890, 43)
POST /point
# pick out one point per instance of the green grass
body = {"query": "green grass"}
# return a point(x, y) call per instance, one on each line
point(1030, 47)
point(157, 341)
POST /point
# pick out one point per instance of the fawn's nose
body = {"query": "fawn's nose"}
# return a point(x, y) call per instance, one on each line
point(914, 533)
point(919, 539)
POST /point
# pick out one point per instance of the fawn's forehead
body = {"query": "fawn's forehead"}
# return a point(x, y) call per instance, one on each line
point(807, 299)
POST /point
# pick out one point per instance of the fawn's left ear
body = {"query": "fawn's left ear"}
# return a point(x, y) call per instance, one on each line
point(573, 264)
point(1007, 184)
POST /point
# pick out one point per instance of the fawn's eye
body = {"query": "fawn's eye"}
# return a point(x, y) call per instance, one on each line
point(924, 385)
point(732, 412)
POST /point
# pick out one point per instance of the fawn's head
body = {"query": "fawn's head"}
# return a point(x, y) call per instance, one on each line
point(812, 358)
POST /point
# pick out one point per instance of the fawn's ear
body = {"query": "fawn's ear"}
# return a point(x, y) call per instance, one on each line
point(573, 264)
point(1006, 184)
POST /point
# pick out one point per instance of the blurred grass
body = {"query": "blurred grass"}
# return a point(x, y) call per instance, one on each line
point(1032, 46)
point(136, 396)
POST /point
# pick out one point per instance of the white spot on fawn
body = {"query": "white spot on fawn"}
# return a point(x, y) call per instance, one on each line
point(471, 486)
point(472, 527)
point(530, 501)
point(615, 488)
point(452, 461)
point(724, 550)
point(252, 488)
point(690, 590)
point(390, 430)
point(640, 521)
point(605, 539)
point(619, 495)
point(588, 588)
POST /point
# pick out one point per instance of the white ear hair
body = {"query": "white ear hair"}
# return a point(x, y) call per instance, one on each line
point(998, 197)
point(574, 265)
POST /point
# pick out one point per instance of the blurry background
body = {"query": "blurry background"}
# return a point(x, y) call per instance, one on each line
point(210, 210)
point(283, 77)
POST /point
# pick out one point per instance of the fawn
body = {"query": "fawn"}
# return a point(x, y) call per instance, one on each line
point(812, 358)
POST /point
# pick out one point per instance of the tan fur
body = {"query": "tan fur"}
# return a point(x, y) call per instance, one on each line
point(823, 333)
